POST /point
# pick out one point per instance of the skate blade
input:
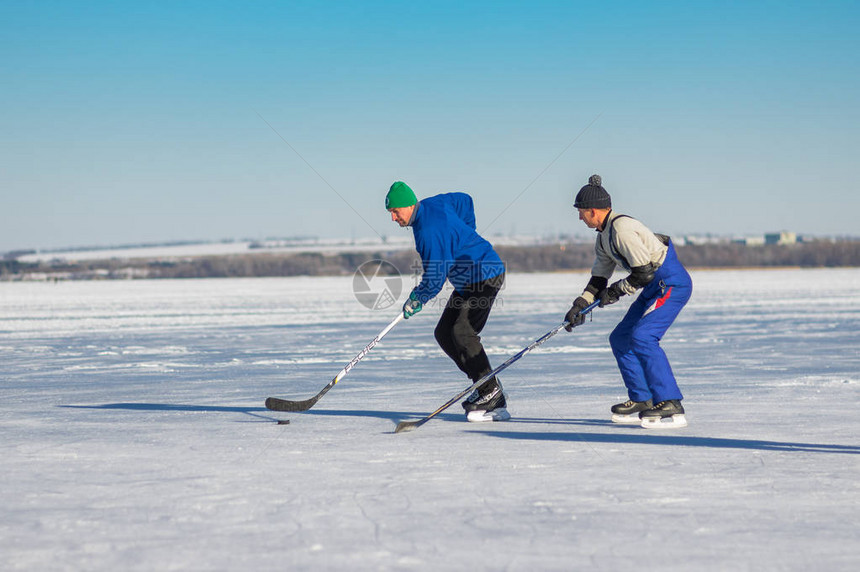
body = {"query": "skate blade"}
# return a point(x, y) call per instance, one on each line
point(674, 422)
point(629, 419)
point(480, 416)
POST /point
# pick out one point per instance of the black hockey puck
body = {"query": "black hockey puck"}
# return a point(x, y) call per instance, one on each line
point(283, 421)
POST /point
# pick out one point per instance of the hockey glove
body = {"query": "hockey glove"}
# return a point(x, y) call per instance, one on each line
point(412, 306)
point(610, 295)
point(574, 316)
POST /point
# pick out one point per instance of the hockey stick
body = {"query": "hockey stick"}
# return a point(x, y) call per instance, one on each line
point(410, 425)
point(277, 404)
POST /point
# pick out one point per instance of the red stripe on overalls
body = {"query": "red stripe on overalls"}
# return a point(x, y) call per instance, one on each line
point(662, 299)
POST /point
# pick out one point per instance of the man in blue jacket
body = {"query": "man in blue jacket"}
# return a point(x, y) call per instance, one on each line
point(450, 248)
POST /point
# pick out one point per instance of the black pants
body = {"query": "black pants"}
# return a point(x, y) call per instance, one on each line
point(462, 320)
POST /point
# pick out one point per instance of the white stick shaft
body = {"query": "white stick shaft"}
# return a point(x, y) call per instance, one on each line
point(367, 348)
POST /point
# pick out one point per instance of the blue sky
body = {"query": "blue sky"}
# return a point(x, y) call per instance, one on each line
point(139, 122)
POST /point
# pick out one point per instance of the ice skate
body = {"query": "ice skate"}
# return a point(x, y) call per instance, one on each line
point(664, 415)
point(487, 403)
point(628, 412)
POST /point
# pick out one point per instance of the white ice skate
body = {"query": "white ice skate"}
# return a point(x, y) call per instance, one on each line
point(481, 416)
point(626, 419)
point(487, 407)
point(664, 415)
point(628, 412)
point(674, 422)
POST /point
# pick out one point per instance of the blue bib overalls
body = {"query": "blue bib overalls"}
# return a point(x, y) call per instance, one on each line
point(636, 339)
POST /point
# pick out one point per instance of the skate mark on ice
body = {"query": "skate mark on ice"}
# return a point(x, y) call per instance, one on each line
point(394, 416)
point(683, 441)
point(251, 411)
point(562, 421)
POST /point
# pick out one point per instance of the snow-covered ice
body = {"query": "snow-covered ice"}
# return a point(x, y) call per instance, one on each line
point(134, 435)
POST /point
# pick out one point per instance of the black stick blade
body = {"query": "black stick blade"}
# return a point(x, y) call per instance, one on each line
point(277, 404)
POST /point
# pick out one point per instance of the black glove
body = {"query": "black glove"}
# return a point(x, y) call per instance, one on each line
point(610, 295)
point(575, 315)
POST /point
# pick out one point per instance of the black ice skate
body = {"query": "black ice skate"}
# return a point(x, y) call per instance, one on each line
point(628, 412)
point(487, 403)
point(664, 415)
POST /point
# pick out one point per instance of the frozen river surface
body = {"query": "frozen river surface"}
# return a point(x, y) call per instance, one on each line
point(134, 435)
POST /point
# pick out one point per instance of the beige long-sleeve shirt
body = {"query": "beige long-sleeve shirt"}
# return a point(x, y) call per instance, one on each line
point(627, 243)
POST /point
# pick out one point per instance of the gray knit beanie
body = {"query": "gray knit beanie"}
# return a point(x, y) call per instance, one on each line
point(593, 195)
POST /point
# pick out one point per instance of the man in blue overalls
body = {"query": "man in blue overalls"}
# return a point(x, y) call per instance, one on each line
point(622, 241)
point(450, 248)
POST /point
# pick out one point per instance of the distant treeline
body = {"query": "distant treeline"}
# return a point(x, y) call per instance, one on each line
point(722, 255)
point(544, 258)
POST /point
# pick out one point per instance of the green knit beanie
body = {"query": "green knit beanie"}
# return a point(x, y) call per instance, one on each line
point(399, 195)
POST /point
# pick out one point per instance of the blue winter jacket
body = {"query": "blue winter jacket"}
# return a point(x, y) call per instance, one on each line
point(450, 247)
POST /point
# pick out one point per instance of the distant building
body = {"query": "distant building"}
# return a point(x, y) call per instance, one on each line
point(698, 240)
point(749, 240)
point(780, 238)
